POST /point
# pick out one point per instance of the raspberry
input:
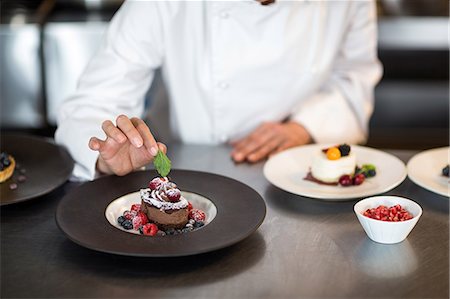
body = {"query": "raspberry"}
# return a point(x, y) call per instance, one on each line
point(150, 229)
point(197, 215)
point(189, 206)
point(136, 207)
point(173, 195)
point(129, 215)
point(155, 183)
point(139, 220)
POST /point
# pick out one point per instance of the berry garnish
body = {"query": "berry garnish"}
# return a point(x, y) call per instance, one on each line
point(198, 224)
point(173, 195)
point(139, 220)
point(127, 224)
point(445, 171)
point(344, 149)
point(395, 213)
point(155, 183)
point(121, 219)
point(197, 215)
point(358, 179)
point(189, 206)
point(345, 180)
point(136, 207)
point(129, 215)
point(333, 153)
point(368, 170)
point(150, 229)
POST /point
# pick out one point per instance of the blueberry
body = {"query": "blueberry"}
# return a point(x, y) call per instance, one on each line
point(3, 156)
point(127, 224)
point(344, 149)
point(1, 166)
point(6, 162)
point(121, 219)
point(141, 229)
point(198, 224)
point(170, 231)
point(445, 171)
point(371, 173)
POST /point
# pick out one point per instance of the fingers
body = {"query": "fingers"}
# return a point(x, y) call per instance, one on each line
point(265, 150)
point(145, 134)
point(113, 132)
point(261, 137)
point(126, 126)
point(162, 147)
point(96, 144)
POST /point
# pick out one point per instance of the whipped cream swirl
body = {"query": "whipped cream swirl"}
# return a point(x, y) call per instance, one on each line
point(154, 198)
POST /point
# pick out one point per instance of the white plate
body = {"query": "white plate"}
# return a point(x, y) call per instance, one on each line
point(123, 203)
point(288, 169)
point(425, 169)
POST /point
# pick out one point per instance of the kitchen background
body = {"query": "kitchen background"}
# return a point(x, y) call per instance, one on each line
point(45, 44)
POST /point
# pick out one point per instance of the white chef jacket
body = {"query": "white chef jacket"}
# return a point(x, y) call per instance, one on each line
point(229, 66)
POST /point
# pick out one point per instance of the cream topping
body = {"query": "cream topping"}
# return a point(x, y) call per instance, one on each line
point(154, 198)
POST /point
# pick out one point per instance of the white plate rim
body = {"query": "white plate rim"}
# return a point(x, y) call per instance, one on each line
point(416, 161)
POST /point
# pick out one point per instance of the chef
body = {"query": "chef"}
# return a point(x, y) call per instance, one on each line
point(262, 78)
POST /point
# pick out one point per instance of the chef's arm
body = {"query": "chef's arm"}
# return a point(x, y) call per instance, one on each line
point(341, 109)
point(114, 82)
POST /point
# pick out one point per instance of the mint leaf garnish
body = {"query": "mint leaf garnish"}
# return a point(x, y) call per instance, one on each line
point(162, 164)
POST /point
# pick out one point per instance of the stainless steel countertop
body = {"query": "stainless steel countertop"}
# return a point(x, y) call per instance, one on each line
point(305, 248)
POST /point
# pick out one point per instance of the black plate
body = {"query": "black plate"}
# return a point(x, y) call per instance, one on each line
point(81, 215)
point(47, 167)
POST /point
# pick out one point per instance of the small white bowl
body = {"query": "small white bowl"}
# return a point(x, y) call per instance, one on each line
point(387, 232)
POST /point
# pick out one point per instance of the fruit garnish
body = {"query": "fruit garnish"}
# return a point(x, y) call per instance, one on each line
point(395, 213)
point(358, 179)
point(345, 180)
point(162, 164)
point(445, 171)
point(368, 170)
point(173, 195)
point(344, 149)
point(197, 215)
point(155, 183)
point(333, 153)
point(150, 229)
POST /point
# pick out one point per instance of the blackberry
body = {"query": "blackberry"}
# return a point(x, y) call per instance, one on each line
point(121, 219)
point(127, 224)
point(445, 171)
point(344, 149)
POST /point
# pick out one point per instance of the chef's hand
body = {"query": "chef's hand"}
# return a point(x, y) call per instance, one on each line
point(269, 138)
point(128, 146)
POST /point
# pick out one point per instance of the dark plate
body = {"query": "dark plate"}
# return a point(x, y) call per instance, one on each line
point(81, 215)
point(47, 167)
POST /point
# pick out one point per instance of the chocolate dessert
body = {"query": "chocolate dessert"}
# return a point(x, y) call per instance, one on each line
point(163, 204)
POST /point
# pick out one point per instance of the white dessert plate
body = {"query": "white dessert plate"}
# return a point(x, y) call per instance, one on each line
point(288, 169)
point(425, 169)
point(123, 203)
